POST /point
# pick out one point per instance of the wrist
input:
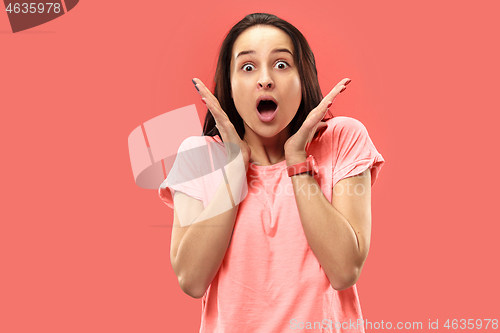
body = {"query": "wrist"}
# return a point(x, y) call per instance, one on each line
point(309, 165)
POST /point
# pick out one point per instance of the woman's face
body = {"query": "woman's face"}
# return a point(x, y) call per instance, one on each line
point(262, 65)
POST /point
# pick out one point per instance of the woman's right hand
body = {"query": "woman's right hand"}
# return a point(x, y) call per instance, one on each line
point(223, 124)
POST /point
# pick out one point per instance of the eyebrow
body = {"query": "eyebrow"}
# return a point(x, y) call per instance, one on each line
point(273, 51)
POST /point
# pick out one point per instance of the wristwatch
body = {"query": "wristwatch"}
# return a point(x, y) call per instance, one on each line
point(309, 165)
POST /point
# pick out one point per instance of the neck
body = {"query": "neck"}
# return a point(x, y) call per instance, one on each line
point(266, 150)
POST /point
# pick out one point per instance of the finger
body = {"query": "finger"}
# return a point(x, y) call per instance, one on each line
point(211, 101)
point(328, 114)
point(205, 92)
point(320, 126)
point(222, 122)
point(317, 128)
point(316, 115)
point(312, 120)
point(309, 128)
point(335, 91)
point(327, 101)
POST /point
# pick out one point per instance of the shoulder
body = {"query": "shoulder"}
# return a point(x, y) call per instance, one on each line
point(343, 124)
point(349, 135)
point(347, 130)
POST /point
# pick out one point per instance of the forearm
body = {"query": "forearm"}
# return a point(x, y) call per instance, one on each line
point(330, 236)
point(204, 244)
point(202, 250)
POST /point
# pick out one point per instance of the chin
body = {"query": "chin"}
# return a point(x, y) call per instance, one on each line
point(270, 131)
point(267, 134)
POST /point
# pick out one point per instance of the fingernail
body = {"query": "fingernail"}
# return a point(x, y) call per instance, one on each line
point(195, 85)
point(342, 89)
point(329, 104)
point(347, 82)
point(203, 100)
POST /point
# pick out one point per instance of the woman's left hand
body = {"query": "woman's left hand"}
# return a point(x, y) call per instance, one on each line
point(295, 146)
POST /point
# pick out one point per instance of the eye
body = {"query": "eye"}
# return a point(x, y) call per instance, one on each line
point(245, 66)
point(281, 62)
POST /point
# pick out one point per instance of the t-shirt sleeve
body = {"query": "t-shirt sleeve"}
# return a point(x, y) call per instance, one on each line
point(353, 150)
point(186, 173)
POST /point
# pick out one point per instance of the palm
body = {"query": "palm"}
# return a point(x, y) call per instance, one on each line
point(229, 135)
point(296, 144)
point(245, 151)
point(226, 128)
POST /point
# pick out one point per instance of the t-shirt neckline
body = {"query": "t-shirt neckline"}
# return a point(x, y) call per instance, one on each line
point(260, 168)
point(266, 168)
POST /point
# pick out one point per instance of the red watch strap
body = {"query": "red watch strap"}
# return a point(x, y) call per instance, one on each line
point(301, 167)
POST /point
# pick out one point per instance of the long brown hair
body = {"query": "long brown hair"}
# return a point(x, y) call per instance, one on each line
point(303, 57)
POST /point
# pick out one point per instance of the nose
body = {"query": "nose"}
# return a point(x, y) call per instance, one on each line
point(265, 84)
point(265, 81)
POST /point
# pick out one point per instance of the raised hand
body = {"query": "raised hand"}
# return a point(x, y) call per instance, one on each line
point(295, 145)
point(223, 124)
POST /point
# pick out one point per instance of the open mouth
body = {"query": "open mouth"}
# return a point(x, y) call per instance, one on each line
point(266, 107)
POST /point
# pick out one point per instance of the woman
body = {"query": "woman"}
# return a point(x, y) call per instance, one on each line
point(287, 256)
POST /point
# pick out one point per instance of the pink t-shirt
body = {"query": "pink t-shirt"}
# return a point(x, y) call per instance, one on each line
point(270, 280)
